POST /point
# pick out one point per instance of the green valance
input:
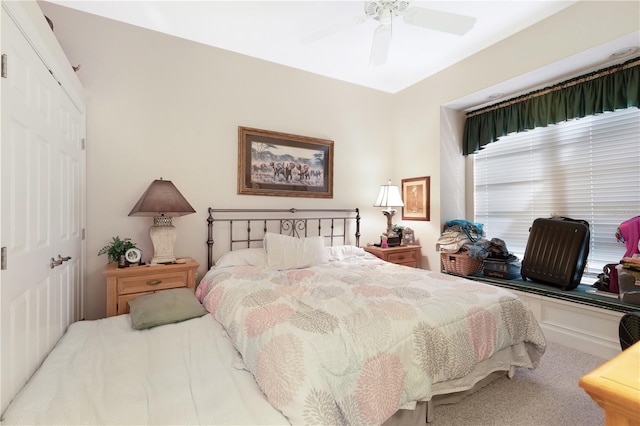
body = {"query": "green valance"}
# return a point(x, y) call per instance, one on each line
point(612, 88)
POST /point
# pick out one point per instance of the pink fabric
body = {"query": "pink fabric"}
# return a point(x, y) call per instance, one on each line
point(629, 234)
point(352, 341)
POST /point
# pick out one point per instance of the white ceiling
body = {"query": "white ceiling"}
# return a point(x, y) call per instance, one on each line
point(329, 38)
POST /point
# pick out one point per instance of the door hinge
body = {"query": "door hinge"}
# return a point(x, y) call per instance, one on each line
point(3, 260)
point(82, 233)
point(3, 67)
point(83, 143)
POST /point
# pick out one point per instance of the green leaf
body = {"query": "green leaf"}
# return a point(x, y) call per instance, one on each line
point(117, 248)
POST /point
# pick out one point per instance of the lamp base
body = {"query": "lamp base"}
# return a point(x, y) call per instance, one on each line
point(393, 241)
point(389, 214)
point(163, 238)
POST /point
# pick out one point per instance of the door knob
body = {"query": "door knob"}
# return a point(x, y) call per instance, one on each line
point(55, 263)
point(64, 259)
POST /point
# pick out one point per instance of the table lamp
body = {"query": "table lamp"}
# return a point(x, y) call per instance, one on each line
point(389, 198)
point(162, 201)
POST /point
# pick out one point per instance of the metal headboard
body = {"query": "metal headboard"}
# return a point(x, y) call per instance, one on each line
point(297, 223)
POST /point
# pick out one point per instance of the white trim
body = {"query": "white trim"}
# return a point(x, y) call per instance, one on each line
point(30, 20)
point(584, 328)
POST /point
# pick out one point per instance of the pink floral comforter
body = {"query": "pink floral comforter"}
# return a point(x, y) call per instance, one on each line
point(352, 341)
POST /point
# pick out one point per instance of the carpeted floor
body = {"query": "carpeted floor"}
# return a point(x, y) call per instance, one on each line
point(548, 395)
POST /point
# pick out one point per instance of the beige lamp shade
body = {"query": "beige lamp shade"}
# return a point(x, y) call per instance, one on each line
point(389, 197)
point(162, 201)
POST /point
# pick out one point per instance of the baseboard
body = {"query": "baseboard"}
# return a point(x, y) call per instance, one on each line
point(584, 328)
point(602, 349)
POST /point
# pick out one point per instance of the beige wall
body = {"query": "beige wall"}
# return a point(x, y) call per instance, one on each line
point(435, 137)
point(159, 106)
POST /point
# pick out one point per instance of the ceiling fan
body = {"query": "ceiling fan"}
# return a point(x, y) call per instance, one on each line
point(385, 11)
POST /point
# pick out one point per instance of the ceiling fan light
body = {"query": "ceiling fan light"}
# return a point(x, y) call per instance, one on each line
point(401, 6)
point(384, 11)
point(371, 8)
point(385, 17)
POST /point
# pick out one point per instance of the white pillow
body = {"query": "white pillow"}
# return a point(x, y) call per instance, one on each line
point(284, 252)
point(242, 257)
point(344, 252)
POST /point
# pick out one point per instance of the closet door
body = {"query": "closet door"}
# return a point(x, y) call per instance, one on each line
point(42, 164)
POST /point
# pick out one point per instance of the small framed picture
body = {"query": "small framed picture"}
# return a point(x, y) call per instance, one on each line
point(408, 238)
point(416, 197)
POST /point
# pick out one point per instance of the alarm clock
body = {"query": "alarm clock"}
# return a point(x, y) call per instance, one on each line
point(133, 256)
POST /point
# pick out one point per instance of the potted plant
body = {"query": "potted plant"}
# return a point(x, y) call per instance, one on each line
point(117, 248)
point(398, 230)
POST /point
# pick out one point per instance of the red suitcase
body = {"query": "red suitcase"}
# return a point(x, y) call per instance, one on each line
point(556, 252)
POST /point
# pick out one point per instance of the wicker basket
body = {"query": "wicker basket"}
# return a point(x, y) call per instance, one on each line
point(460, 263)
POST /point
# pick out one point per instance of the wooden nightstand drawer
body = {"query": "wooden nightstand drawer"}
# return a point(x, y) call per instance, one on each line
point(152, 282)
point(404, 256)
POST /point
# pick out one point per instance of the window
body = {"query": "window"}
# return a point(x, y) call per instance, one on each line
point(587, 168)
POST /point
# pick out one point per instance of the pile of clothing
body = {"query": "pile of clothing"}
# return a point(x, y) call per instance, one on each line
point(465, 237)
point(628, 233)
point(493, 249)
point(459, 235)
point(623, 278)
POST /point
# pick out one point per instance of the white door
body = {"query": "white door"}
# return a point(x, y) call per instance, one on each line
point(42, 166)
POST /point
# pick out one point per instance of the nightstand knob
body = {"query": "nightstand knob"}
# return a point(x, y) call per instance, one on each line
point(154, 282)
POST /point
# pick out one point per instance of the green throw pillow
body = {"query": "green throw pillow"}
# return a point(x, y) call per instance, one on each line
point(164, 307)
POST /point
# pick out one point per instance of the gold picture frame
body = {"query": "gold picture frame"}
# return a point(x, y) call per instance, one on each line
point(408, 237)
point(416, 198)
point(285, 165)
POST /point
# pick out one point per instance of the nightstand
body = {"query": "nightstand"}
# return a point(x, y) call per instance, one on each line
point(401, 255)
point(125, 284)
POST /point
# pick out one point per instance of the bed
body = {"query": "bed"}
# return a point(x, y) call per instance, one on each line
point(103, 372)
point(304, 327)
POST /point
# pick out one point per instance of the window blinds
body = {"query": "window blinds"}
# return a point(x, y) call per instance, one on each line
point(587, 168)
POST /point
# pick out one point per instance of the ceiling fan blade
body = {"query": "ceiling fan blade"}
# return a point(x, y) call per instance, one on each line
point(380, 46)
point(437, 20)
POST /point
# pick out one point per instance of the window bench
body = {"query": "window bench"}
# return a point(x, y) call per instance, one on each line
point(578, 295)
point(586, 322)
